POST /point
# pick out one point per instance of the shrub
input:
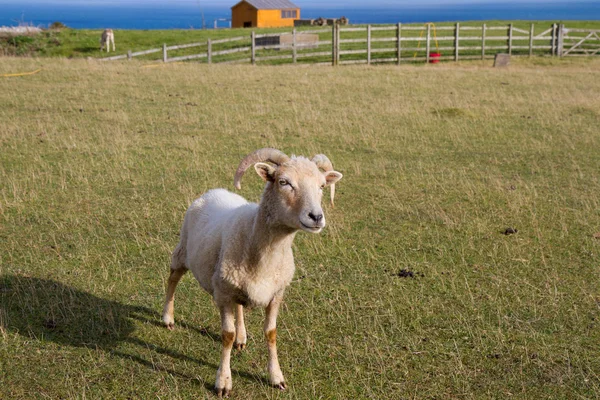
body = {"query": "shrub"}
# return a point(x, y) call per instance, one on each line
point(21, 40)
point(57, 25)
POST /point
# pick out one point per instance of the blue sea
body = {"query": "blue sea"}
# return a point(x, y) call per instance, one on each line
point(190, 15)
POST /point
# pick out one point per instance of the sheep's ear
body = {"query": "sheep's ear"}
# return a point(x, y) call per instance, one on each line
point(332, 177)
point(265, 171)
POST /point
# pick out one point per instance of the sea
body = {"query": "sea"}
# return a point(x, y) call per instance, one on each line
point(189, 15)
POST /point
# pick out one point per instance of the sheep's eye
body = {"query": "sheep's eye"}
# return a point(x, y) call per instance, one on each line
point(283, 182)
point(322, 187)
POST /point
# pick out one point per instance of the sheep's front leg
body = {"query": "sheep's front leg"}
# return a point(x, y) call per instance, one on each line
point(275, 374)
point(240, 328)
point(223, 382)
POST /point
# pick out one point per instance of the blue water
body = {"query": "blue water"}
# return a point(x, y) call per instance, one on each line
point(189, 15)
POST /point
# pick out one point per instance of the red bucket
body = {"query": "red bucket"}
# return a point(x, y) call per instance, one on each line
point(434, 58)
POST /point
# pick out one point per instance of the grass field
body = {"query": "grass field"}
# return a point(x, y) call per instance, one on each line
point(99, 162)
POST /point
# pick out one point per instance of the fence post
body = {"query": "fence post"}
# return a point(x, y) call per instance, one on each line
point(510, 35)
point(337, 43)
point(399, 41)
point(531, 41)
point(428, 43)
point(164, 52)
point(333, 45)
point(368, 44)
point(561, 39)
point(456, 41)
point(129, 56)
point(483, 28)
point(553, 42)
point(208, 51)
point(253, 48)
point(294, 43)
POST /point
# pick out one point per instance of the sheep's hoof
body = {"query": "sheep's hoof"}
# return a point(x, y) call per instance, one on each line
point(170, 326)
point(222, 392)
point(280, 386)
point(239, 346)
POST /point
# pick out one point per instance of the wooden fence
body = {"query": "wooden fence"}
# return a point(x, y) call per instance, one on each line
point(388, 44)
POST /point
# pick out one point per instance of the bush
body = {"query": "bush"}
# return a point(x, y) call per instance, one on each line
point(20, 41)
point(57, 25)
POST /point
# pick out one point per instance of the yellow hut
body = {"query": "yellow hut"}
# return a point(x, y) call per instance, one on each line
point(264, 14)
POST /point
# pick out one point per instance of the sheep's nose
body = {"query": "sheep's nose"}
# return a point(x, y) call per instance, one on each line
point(316, 218)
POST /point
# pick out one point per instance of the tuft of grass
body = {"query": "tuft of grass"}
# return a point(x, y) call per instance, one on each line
point(99, 162)
point(451, 112)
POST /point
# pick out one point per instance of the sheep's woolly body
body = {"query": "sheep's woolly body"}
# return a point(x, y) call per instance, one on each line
point(219, 234)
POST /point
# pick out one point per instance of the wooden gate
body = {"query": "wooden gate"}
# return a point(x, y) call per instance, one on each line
point(579, 42)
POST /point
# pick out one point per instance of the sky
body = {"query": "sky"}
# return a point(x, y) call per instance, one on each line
point(301, 3)
point(184, 14)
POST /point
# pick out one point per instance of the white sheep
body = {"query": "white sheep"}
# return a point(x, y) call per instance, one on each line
point(106, 38)
point(241, 253)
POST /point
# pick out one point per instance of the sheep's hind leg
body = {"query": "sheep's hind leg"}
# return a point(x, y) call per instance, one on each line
point(174, 279)
point(223, 383)
point(240, 328)
point(275, 374)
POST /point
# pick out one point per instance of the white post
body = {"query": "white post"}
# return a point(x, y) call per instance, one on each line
point(337, 43)
point(294, 44)
point(399, 41)
point(428, 43)
point(456, 41)
point(368, 44)
point(561, 39)
point(164, 52)
point(333, 45)
point(510, 35)
point(483, 27)
point(553, 43)
point(531, 41)
point(209, 51)
point(253, 48)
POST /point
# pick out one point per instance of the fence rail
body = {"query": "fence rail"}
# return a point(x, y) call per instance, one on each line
point(386, 44)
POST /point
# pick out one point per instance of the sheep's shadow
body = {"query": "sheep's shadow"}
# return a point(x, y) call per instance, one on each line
point(41, 308)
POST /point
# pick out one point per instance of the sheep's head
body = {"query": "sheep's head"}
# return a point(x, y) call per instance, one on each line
point(294, 186)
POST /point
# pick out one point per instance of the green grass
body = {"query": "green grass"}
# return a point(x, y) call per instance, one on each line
point(86, 42)
point(100, 160)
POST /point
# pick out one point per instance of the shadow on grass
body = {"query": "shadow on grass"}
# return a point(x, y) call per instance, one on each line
point(87, 49)
point(45, 309)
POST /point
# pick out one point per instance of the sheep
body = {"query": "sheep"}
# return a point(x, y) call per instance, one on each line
point(107, 37)
point(241, 252)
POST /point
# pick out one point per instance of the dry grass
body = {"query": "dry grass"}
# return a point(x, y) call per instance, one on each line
point(99, 162)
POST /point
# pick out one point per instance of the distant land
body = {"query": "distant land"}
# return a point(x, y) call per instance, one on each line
point(191, 15)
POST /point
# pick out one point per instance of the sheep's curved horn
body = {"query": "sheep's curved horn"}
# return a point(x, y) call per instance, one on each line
point(325, 164)
point(267, 154)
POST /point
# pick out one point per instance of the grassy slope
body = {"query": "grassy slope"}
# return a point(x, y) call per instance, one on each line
point(99, 162)
point(84, 42)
